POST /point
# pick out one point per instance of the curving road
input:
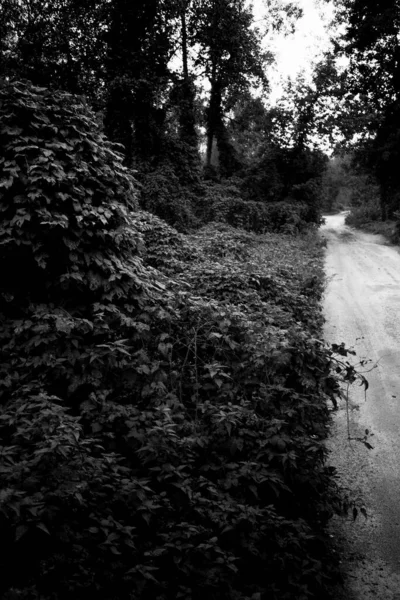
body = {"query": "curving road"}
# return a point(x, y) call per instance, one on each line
point(362, 309)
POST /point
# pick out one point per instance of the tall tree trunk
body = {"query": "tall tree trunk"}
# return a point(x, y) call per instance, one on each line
point(187, 120)
point(213, 115)
point(214, 108)
point(184, 42)
point(118, 118)
point(132, 118)
point(228, 160)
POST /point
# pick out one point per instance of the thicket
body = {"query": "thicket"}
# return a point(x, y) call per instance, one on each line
point(119, 55)
point(364, 214)
point(164, 398)
point(230, 201)
point(278, 190)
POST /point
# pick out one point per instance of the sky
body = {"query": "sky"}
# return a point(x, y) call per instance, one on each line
point(296, 52)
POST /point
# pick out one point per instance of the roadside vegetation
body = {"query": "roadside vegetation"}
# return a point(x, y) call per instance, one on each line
point(165, 398)
point(165, 395)
point(368, 112)
point(351, 187)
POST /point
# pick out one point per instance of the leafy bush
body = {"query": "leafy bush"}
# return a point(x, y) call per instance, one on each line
point(360, 215)
point(285, 217)
point(58, 208)
point(163, 398)
point(165, 247)
point(172, 186)
point(164, 196)
point(70, 256)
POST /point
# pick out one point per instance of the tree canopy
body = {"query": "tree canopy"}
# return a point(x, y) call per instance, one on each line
point(371, 89)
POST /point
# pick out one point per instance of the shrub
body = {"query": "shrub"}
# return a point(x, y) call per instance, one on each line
point(70, 255)
point(65, 198)
point(165, 248)
point(360, 215)
point(285, 217)
point(171, 187)
point(163, 195)
point(159, 439)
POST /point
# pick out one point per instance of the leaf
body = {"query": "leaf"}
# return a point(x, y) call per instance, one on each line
point(42, 527)
point(215, 335)
point(93, 530)
point(20, 532)
point(6, 183)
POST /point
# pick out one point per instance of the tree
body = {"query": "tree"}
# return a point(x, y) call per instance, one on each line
point(139, 49)
point(247, 126)
point(116, 53)
point(371, 43)
point(59, 43)
point(231, 58)
point(184, 88)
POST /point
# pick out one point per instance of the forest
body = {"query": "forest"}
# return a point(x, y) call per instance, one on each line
point(165, 393)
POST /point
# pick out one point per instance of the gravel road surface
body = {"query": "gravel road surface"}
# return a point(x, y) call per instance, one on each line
point(362, 309)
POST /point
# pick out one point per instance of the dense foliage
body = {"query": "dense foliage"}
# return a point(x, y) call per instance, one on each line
point(348, 184)
point(164, 398)
point(371, 92)
point(142, 67)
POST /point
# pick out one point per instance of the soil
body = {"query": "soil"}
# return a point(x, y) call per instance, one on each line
point(362, 309)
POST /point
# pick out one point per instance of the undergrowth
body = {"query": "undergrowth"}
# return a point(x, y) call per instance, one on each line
point(224, 203)
point(368, 212)
point(165, 399)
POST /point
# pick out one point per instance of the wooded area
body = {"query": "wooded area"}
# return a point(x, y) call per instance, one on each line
point(148, 90)
point(164, 394)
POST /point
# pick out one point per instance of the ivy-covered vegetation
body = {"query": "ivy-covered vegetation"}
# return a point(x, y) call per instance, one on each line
point(199, 155)
point(164, 393)
point(164, 397)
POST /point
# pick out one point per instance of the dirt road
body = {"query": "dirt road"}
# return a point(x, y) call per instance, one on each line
point(362, 308)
